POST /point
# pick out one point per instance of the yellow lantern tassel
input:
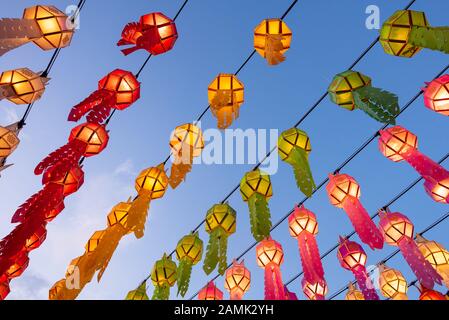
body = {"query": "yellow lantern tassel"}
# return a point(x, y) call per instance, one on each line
point(274, 48)
point(225, 108)
point(107, 247)
point(182, 165)
point(138, 213)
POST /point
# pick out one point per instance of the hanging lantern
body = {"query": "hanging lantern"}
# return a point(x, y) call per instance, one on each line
point(353, 293)
point(316, 290)
point(9, 140)
point(344, 193)
point(185, 144)
point(22, 86)
point(220, 224)
point(119, 215)
point(270, 256)
point(155, 33)
point(436, 255)
point(210, 292)
point(139, 294)
point(256, 189)
point(436, 95)
point(163, 277)
point(399, 231)
point(427, 294)
point(406, 32)
point(352, 257)
point(226, 95)
point(304, 226)
point(46, 26)
point(290, 296)
point(238, 280)
point(392, 283)
point(4, 287)
point(272, 39)
point(398, 144)
point(294, 148)
point(352, 90)
point(36, 240)
point(189, 252)
point(19, 266)
point(50, 215)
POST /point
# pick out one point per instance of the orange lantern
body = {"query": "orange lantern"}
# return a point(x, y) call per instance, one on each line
point(36, 240)
point(428, 294)
point(315, 290)
point(94, 241)
point(93, 135)
point(238, 280)
point(210, 292)
point(19, 266)
point(22, 86)
point(119, 215)
point(354, 293)
point(436, 95)
point(436, 255)
point(9, 140)
point(392, 283)
point(4, 287)
point(71, 181)
point(272, 39)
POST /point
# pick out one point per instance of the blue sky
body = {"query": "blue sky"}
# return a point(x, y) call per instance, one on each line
point(215, 37)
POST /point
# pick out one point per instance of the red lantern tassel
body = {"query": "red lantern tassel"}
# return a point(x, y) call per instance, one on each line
point(310, 257)
point(365, 284)
point(103, 98)
point(148, 39)
point(274, 288)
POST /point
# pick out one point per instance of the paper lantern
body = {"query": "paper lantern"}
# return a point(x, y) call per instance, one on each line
point(353, 293)
point(294, 148)
point(398, 144)
point(316, 290)
point(436, 95)
point(428, 294)
point(210, 292)
point(9, 140)
point(344, 193)
point(94, 241)
point(272, 39)
point(436, 255)
point(399, 231)
point(256, 189)
point(119, 215)
point(4, 287)
point(237, 280)
point(226, 95)
point(189, 252)
point(220, 224)
point(139, 294)
point(118, 90)
point(392, 283)
point(303, 225)
point(186, 143)
point(163, 277)
point(406, 32)
point(270, 256)
point(155, 33)
point(22, 86)
point(36, 240)
point(53, 213)
point(70, 182)
point(290, 296)
point(19, 266)
point(353, 90)
point(352, 257)
point(55, 292)
point(46, 26)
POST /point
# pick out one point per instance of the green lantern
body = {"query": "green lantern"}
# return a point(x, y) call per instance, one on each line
point(220, 224)
point(294, 148)
point(352, 90)
point(139, 294)
point(406, 32)
point(163, 277)
point(189, 252)
point(256, 189)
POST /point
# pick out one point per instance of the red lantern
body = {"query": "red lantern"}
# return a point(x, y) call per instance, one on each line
point(210, 292)
point(315, 290)
point(19, 266)
point(94, 136)
point(36, 240)
point(436, 95)
point(70, 182)
point(427, 294)
point(155, 33)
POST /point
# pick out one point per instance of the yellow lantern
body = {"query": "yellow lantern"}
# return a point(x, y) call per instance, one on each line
point(272, 39)
point(238, 280)
point(392, 283)
point(226, 95)
point(139, 294)
point(119, 215)
point(55, 293)
point(163, 277)
point(94, 241)
point(9, 140)
point(22, 86)
point(343, 86)
point(354, 293)
point(189, 252)
point(436, 255)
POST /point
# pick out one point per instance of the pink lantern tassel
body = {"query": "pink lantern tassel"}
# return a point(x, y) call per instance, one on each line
point(425, 166)
point(310, 257)
point(423, 270)
point(363, 225)
point(365, 284)
point(274, 288)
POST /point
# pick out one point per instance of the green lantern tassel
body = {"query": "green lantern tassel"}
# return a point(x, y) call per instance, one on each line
point(222, 256)
point(260, 216)
point(161, 292)
point(379, 104)
point(184, 272)
point(211, 258)
point(434, 38)
point(298, 159)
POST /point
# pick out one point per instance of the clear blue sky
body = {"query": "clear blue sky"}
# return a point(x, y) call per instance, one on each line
point(216, 36)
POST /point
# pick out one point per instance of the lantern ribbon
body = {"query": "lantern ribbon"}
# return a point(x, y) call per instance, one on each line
point(98, 104)
point(17, 32)
point(298, 159)
point(184, 272)
point(291, 296)
point(364, 282)
point(273, 49)
point(310, 257)
point(181, 166)
point(138, 213)
point(260, 216)
point(221, 109)
point(379, 104)
point(133, 35)
point(216, 251)
point(274, 287)
point(434, 38)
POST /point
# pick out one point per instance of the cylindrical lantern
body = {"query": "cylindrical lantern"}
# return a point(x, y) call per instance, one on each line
point(344, 192)
point(139, 294)
point(163, 277)
point(436, 95)
point(270, 256)
point(220, 224)
point(225, 95)
point(272, 39)
point(428, 294)
point(237, 280)
point(189, 252)
point(210, 292)
point(353, 293)
point(392, 283)
point(316, 290)
point(22, 86)
point(352, 257)
point(436, 255)
point(256, 189)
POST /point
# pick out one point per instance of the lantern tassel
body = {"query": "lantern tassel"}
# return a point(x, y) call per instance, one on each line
point(298, 159)
point(224, 109)
point(260, 216)
point(443, 271)
point(379, 104)
point(365, 284)
point(184, 272)
point(181, 166)
point(97, 103)
point(147, 40)
point(434, 38)
point(17, 32)
point(215, 253)
point(425, 166)
point(274, 288)
point(129, 34)
point(161, 292)
point(310, 257)
point(273, 48)
point(363, 225)
point(138, 213)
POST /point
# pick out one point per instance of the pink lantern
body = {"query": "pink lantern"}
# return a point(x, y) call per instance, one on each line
point(238, 280)
point(436, 95)
point(314, 290)
point(210, 292)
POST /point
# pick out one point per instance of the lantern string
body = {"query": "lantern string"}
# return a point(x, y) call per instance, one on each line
point(393, 254)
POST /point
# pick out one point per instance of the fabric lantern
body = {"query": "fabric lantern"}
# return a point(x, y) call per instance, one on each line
point(139, 294)
point(225, 95)
point(220, 224)
point(256, 189)
point(436, 255)
point(406, 32)
point(9, 140)
point(270, 256)
point(344, 193)
point(163, 277)
point(399, 231)
point(210, 293)
point(118, 90)
point(398, 144)
point(353, 90)
point(304, 226)
point(272, 39)
point(237, 280)
point(155, 33)
point(353, 293)
point(392, 283)
point(436, 95)
point(316, 290)
point(189, 252)
point(428, 294)
point(22, 86)
point(186, 143)
point(294, 148)
point(46, 26)
point(352, 257)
